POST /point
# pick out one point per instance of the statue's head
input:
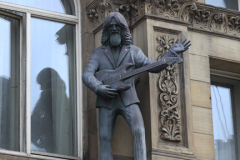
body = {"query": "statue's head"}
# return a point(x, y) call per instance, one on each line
point(115, 30)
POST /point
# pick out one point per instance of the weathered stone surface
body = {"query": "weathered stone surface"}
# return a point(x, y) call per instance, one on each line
point(204, 146)
point(214, 46)
point(201, 1)
point(97, 39)
point(201, 94)
point(155, 157)
point(92, 140)
point(223, 65)
point(199, 68)
point(202, 120)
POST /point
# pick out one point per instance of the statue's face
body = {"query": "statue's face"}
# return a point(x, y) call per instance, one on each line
point(115, 33)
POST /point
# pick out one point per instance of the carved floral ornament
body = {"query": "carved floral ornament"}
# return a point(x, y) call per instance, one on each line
point(234, 24)
point(169, 118)
point(198, 15)
point(99, 10)
point(169, 7)
point(165, 43)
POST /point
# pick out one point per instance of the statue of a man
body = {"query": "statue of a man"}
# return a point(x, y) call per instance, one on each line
point(116, 51)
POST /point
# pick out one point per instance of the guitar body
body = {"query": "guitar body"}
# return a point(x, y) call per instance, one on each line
point(122, 78)
point(113, 77)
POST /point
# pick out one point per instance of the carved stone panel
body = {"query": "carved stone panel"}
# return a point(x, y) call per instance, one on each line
point(147, 6)
point(130, 10)
point(98, 10)
point(199, 16)
point(218, 22)
point(169, 115)
point(234, 25)
point(169, 8)
point(187, 12)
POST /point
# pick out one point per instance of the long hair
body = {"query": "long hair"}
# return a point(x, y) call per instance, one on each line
point(120, 20)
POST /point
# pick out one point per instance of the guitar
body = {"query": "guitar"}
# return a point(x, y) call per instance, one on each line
point(120, 78)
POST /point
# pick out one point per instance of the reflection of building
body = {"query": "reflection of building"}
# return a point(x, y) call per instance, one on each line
point(225, 149)
point(62, 34)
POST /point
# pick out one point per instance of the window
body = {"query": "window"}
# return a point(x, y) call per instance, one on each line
point(229, 4)
point(9, 82)
point(225, 113)
point(53, 118)
point(61, 6)
point(38, 93)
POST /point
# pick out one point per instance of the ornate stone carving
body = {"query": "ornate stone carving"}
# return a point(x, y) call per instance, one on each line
point(92, 14)
point(234, 25)
point(165, 43)
point(198, 15)
point(218, 22)
point(169, 118)
point(149, 7)
point(98, 10)
point(201, 18)
point(129, 11)
point(188, 12)
point(169, 8)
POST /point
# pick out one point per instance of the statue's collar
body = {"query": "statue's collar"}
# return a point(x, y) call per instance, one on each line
point(108, 53)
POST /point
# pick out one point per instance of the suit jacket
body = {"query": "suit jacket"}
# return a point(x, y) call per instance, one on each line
point(102, 58)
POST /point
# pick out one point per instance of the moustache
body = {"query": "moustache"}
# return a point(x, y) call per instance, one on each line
point(115, 32)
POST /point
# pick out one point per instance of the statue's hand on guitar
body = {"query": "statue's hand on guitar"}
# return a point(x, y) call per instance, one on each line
point(106, 92)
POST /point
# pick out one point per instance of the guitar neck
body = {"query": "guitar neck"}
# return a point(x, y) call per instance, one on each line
point(142, 69)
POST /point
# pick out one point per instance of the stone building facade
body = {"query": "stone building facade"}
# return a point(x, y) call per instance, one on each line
point(176, 103)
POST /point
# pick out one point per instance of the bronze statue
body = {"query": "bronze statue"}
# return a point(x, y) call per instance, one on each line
point(110, 74)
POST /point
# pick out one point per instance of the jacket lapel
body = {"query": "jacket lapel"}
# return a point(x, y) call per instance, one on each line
point(123, 53)
point(107, 51)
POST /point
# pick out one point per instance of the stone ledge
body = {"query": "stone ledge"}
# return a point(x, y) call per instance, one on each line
point(171, 154)
point(197, 15)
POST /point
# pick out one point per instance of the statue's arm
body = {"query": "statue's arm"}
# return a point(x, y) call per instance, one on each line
point(142, 60)
point(88, 76)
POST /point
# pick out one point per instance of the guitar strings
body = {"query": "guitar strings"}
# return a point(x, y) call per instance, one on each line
point(137, 71)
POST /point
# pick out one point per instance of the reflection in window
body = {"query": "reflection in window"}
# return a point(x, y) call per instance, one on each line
point(9, 83)
point(230, 4)
point(224, 138)
point(62, 6)
point(53, 120)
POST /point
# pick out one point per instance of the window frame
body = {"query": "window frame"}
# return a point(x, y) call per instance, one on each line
point(230, 76)
point(25, 76)
point(238, 5)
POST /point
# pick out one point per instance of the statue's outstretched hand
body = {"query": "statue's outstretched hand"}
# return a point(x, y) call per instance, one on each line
point(106, 92)
point(182, 47)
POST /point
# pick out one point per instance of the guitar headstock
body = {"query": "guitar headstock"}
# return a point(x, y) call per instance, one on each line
point(171, 57)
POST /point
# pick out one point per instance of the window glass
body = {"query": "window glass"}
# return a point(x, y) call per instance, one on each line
point(62, 6)
point(53, 108)
point(224, 137)
point(230, 4)
point(9, 83)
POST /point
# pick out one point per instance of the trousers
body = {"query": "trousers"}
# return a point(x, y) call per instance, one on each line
point(133, 117)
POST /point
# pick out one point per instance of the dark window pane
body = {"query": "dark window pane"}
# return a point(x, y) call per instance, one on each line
point(53, 86)
point(230, 4)
point(9, 83)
